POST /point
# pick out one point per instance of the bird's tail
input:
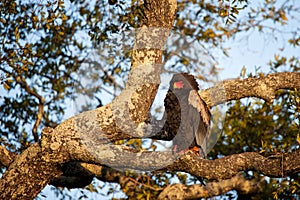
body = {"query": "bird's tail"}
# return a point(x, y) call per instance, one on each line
point(202, 152)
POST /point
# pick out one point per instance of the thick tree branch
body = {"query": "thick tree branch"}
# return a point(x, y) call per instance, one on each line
point(144, 76)
point(121, 157)
point(263, 87)
point(27, 175)
point(238, 183)
point(274, 166)
point(78, 175)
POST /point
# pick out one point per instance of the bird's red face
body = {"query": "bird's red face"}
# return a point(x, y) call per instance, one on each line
point(178, 85)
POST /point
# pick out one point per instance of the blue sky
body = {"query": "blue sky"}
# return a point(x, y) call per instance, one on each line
point(256, 49)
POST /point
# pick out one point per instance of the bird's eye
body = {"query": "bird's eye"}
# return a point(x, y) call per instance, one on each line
point(178, 85)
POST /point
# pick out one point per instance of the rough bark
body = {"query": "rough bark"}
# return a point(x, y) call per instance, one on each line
point(27, 175)
point(121, 157)
point(279, 165)
point(262, 87)
point(238, 183)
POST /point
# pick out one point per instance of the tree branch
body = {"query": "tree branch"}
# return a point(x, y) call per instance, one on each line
point(121, 157)
point(238, 183)
point(223, 168)
point(41, 100)
point(263, 87)
point(27, 175)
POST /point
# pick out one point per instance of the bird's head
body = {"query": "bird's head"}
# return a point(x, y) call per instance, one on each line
point(183, 81)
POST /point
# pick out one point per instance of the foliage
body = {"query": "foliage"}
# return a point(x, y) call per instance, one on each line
point(38, 56)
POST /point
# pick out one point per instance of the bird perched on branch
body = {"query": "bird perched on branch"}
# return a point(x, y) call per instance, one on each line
point(187, 115)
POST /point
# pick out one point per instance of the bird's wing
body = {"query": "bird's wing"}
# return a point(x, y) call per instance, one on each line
point(201, 119)
point(196, 101)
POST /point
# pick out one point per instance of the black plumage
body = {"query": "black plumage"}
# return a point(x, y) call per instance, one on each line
point(187, 115)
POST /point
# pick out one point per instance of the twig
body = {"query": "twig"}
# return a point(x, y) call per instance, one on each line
point(23, 84)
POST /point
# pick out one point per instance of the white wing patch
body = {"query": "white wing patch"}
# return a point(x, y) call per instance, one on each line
point(198, 103)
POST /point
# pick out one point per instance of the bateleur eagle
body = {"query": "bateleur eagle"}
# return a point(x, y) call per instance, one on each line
point(187, 115)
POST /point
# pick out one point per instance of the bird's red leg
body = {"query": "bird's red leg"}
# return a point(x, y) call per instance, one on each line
point(175, 150)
